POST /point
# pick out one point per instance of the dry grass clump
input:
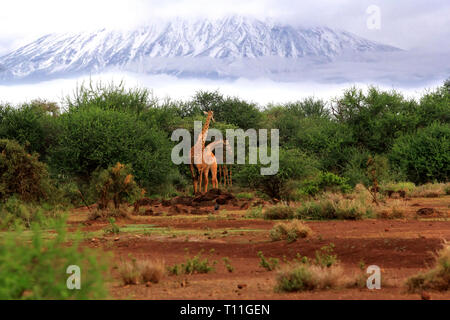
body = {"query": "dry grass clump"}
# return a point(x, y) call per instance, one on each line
point(335, 206)
point(304, 277)
point(429, 190)
point(397, 211)
point(437, 278)
point(290, 231)
point(279, 212)
point(142, 271)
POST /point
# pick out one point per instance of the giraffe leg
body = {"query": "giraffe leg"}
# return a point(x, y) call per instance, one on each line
point(206, 179)
point(200, 177)
point(214, 176)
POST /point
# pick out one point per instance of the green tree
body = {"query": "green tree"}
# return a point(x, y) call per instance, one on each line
point(424, 156)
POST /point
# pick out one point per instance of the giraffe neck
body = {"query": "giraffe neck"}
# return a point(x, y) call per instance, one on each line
point(205, 131)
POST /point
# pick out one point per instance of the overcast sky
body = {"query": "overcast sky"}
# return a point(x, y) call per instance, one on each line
point(408, 24)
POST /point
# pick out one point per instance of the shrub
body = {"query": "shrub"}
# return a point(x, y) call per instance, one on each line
point(425, 155)
point(306, 277)
point(141, 271)
point(228, 265)
point(37, 269)
point(270, 264)
point(279, 212)
point(193, 265)
point(116, 184)
point(325, 257)
point(437, 278)
point(326, 181)
point(254, 213)
point(290, 231)
point(394, 213)
point(113, 228)
point(324, 273)
point(22, 173)
point(16, 213)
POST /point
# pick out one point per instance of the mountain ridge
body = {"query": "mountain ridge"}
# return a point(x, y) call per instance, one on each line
point(214, 45)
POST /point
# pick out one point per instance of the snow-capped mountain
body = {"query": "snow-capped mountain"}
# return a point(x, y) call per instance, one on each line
point(224, 47)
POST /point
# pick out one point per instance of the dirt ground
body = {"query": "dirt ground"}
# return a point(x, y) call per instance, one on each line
point(401, 248)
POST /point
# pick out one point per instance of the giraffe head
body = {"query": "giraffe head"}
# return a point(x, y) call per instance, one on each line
point(210, 115)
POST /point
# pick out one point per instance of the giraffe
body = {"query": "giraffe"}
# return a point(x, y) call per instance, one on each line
point(211, 163)
point(225, 169)
point(195, 150)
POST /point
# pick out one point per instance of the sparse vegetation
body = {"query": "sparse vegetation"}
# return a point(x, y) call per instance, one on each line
point(228, 265)
point(270, 264)
point(193, 265)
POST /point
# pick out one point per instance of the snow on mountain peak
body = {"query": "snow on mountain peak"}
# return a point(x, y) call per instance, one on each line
point(166, 47)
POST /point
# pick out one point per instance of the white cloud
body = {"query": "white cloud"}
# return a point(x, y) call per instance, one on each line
point(261, 91)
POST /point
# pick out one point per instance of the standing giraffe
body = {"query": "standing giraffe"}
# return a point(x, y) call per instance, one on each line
point(211, 163)
point(195, 150)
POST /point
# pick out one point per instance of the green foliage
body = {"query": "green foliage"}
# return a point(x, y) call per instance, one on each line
point(110, 96)
point(245, 195)
point(270, 264)
point(21, 173)
point(424, 156)
point(37, 269)
point(376, 118)
point(325, 181)
point(32, 125)
point(297, 279)
point(229, 110)
point(293, 165)
point(94, 138)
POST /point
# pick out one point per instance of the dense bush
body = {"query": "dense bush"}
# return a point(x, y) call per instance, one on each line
point(95, 138)
point(424, 156)
point(33, 125)
point(325, 181)
point(21, 173)
point(293, 165)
